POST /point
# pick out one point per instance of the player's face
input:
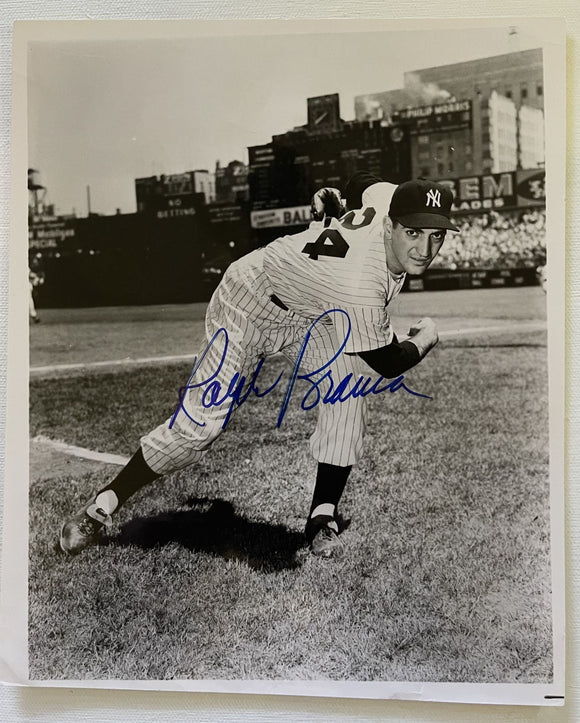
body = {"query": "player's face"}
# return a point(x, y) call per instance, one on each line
point(412, 249)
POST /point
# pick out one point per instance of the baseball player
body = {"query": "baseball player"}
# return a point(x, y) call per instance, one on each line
point(320, 298)
point(34, 280)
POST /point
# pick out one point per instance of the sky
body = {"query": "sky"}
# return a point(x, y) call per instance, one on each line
point(102, 113)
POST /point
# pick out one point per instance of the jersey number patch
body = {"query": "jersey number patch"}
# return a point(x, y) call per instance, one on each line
point(337, 246)
point(331, 242)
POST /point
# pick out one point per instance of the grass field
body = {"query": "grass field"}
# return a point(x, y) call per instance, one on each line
point(446, 575)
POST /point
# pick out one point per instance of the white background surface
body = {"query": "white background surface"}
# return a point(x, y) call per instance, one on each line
point(132, 707)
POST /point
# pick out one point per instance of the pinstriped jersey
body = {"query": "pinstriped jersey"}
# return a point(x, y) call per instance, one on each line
point(340, 264)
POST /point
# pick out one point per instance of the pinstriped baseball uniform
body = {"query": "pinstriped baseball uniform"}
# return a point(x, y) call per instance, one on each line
point(336, 265)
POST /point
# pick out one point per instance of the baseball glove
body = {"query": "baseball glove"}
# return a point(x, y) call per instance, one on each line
point(327, 202)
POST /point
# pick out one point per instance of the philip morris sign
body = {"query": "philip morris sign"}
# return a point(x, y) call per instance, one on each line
point(455, 115)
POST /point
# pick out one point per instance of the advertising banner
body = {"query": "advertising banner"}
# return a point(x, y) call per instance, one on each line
point(498, 191)
point(493, 191)
point(275, 217)
point(454, 115)
point(49, 234)
point(531, 188)
point(225, 214)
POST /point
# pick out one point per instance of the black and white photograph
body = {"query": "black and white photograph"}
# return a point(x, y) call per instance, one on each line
point(294, 424)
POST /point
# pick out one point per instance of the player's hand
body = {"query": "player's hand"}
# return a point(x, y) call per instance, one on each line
point(327, 202)
point(424, 335)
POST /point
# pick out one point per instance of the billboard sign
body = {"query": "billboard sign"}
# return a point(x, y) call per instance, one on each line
point(496, 191)
point(177, 184)
point(224, 214)
point(278, 217)
point(176, 209)
point(531, 188)
point(261, 155)
point(167, 195)
point(492, 191)
point(50, 234)
point(455, 115)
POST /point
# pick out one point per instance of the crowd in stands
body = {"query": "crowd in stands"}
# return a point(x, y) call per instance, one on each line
point(496, 240)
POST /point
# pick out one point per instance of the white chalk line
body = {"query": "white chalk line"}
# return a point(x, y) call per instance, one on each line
point(111, 363)
point(529, 326)
point(117, 459)
point(82, 452)
point(449, 334)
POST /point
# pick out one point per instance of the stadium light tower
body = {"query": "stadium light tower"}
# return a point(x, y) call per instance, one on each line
point(513, 39)
point(36, 192)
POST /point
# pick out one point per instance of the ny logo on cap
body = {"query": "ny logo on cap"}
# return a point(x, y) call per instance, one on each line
point(434, 198)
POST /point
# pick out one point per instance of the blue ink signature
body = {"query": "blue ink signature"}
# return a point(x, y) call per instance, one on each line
point(240, 388)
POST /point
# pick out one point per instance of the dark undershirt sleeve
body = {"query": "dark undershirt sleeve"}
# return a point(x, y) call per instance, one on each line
point(392, 360)
point(356, 186)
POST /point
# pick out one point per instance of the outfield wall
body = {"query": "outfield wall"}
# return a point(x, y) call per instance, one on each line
point(447, 279)
point(141, 258)
point(106, 286)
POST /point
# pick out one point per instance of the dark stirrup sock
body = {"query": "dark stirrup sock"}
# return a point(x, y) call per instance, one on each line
point(134, 475)
point(330, 484)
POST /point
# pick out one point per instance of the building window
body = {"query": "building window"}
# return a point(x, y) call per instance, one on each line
point(468, 166)
point(423, 140)
point(524, 91)
point(540, 89)
point(508, 93)
point(440, 169)
point(451, 168)
point(425, 172)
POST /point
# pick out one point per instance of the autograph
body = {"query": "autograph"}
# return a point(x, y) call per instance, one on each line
point(234, 393)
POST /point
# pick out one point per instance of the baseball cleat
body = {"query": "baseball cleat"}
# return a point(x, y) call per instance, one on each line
point(84, 529)
point(321, 532)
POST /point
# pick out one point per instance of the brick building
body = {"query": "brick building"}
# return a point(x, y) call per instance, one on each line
point(503, 128)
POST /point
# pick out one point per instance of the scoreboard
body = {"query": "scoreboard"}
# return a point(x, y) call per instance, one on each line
point(285, 173)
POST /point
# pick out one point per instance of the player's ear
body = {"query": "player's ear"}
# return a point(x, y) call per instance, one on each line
point(387, 227)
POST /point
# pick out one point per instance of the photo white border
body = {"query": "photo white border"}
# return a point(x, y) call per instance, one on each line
point(14, 589)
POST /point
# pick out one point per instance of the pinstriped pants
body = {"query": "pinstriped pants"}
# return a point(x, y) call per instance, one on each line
point(257, 328)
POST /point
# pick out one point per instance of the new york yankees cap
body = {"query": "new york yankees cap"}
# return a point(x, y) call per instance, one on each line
point(422, 204)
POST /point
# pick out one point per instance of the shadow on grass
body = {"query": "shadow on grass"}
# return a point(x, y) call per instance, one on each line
point(213, 526)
